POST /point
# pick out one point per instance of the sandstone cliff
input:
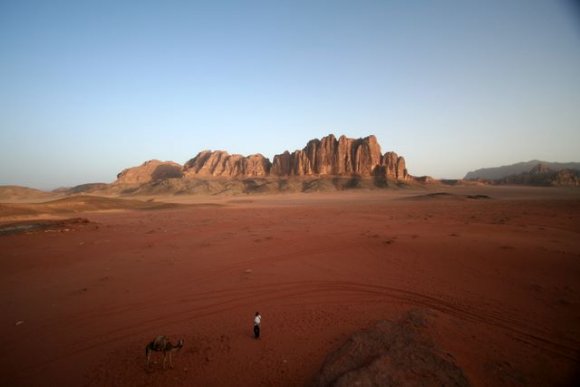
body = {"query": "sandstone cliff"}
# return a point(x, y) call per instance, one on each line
point(329, 156)
point(220, 163)
point(150, 171)
point(343, 157)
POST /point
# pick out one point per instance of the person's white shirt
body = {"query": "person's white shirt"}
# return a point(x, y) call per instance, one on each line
point(257, 320)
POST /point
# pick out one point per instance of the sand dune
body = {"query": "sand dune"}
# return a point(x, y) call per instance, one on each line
point(497, 278)
point(10, 193)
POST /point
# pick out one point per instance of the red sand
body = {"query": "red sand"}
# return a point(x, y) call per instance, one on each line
point(501, 276)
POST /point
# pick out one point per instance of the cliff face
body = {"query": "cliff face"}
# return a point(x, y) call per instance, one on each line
point(330, 156)
point(342, 157)
point(152, 170)
point(325, 157)
point(220, 163)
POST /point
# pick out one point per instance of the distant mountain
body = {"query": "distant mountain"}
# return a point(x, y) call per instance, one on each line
point(515, 169)
point(83, 189)
point(541, 175)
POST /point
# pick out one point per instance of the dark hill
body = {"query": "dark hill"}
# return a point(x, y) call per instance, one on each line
point(496, 173)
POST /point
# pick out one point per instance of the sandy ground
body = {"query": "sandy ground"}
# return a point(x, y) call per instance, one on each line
point(500, 276)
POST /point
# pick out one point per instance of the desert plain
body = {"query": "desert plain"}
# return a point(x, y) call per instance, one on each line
point(495, 269)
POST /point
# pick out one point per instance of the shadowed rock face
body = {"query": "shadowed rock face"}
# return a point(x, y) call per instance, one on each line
point(539, 175)
point(497, 173)
point(391, 354)
point(542, 175)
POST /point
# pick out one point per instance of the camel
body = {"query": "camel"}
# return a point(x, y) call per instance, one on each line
point(162, 344)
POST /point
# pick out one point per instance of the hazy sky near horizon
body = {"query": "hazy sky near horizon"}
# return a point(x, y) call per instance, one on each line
point(88, 88)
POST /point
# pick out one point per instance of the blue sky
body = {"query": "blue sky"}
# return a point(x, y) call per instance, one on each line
point(88, 88)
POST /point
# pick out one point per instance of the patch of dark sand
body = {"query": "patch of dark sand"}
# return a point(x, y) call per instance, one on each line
point(41, 225)
point(446, 196)
point(478, 197)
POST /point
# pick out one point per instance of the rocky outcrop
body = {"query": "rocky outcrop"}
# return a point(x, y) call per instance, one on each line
point(568, 177)
point(393, 167)
point(342, 157)
point(425, 180)
point(330, 156)
point(399, 353)
point(542, 175)
point(150, 171)
point(220, 163)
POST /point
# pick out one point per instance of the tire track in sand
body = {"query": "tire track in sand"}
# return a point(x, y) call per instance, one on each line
point(209, 303)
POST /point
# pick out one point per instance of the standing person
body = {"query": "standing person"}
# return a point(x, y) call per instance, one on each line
point(257, 322)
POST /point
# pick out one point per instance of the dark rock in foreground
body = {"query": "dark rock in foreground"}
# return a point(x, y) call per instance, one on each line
point(391, 354)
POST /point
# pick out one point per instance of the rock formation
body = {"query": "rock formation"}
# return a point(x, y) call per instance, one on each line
point(343, 157)
point(399, 353)
point(393, 167)
point(568, 177)
point(542, 175)
point(150, 171)
point(220, 163)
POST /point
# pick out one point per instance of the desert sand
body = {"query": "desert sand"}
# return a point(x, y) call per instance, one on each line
point(497, 269)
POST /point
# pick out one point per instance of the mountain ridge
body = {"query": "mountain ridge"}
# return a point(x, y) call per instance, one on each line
point(495, 173)
point(327, 156)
